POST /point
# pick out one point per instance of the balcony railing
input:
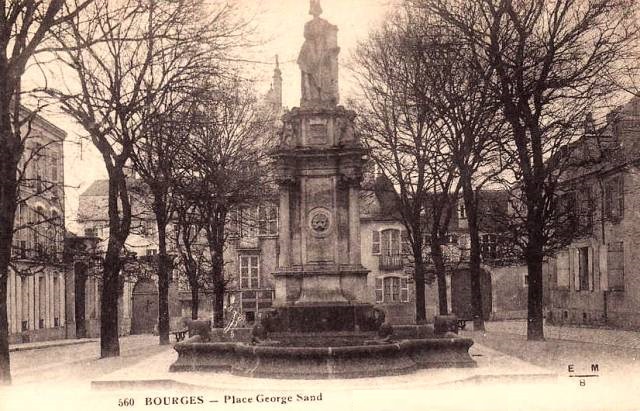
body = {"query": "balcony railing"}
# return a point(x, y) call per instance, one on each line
point(391, 262)
point(256, 299)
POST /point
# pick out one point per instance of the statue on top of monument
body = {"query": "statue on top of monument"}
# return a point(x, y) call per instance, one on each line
point(318, 60)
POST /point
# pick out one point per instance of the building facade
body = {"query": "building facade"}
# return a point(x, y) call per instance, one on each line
point(37, 284)
point(595, 278)
point(138, 301)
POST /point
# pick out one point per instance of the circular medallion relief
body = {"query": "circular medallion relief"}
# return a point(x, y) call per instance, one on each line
point(320, 221)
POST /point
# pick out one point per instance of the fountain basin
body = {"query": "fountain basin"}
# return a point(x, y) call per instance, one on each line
point(270, 360)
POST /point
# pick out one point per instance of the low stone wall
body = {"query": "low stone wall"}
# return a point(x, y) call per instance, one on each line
point(42, 334)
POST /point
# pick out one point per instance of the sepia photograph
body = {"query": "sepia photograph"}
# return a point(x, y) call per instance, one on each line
point(319, 205)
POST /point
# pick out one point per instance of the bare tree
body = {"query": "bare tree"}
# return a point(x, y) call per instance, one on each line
point(399, 127)
point(188, 235)
point(553, 61)
point(471, 123)
point(127, 57)
point(225, 167)
point(25, 26)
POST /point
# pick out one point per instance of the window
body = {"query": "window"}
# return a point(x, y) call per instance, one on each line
point(249, 271)
point(56, 301)
point(55, 233)
point(90, 232)
point(390, 242)
point(462, 213)
point(39, 188)
point(615, 265)
point(582, 271)
point(525, 281)
point(488, 246)
point(149, 228)
point(24, 298)
point(614, 199)
point(151, 251)
point(452, 238)
point(40, 249)
point(584, 216)
point(42, 300)
point(23, 249)
point(267, 220)
point(392, 289)
point(246, 222)
point(54, 167)
point(562, 269)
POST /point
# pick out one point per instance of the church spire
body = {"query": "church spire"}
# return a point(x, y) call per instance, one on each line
point(277, 85)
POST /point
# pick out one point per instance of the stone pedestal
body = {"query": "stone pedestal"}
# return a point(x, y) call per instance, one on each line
point(319, 169)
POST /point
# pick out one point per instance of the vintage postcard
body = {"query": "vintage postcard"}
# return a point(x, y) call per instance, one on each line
point(324, 204)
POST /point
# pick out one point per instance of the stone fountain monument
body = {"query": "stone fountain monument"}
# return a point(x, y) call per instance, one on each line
point(320, 282)
point(320, 325)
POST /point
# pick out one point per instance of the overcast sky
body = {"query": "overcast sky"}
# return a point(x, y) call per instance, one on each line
point(279, 30)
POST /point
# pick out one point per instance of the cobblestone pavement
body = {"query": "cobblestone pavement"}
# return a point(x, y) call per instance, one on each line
point(604, 336)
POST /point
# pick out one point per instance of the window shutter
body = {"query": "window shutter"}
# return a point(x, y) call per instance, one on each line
point(563, 269)
point(602, 267)
point(620, 196)
point(404, 290)
point(575, 267)
point(378, 289)
point(406, 245)
point(590, 268)
point(375, 242)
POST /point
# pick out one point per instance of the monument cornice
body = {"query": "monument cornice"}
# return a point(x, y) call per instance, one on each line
point(312, 269)
point(338, 151)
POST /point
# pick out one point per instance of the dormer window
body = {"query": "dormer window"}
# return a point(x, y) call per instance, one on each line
point(462, 212)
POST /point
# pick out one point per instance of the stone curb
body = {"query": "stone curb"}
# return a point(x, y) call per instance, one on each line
point(28, 346)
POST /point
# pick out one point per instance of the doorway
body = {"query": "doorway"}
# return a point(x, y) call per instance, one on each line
point(144, 315)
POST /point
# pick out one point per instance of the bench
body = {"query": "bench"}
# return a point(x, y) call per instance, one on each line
point(180, 334)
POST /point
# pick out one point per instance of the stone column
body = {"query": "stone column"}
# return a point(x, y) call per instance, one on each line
point(48, 285)
point(10, 301)
point(18, 313)
point(284, 228)
point(32, 301)
point(62, 300)
point(447, 280)
point(354, 225)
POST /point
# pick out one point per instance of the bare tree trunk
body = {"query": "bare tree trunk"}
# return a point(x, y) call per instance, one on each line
point(109, 344)
point(163, 280)
point(535, 256)
point(161, 214)
point(195, 301)
point(471, 204)
point(118, 232)
point(218, 288)
point(80, 279)
point(8, 204)
point(421, 303)
point(5, 364)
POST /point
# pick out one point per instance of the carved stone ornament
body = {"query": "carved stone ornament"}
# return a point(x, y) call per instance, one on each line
point(351, 176)
point(320, 222)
